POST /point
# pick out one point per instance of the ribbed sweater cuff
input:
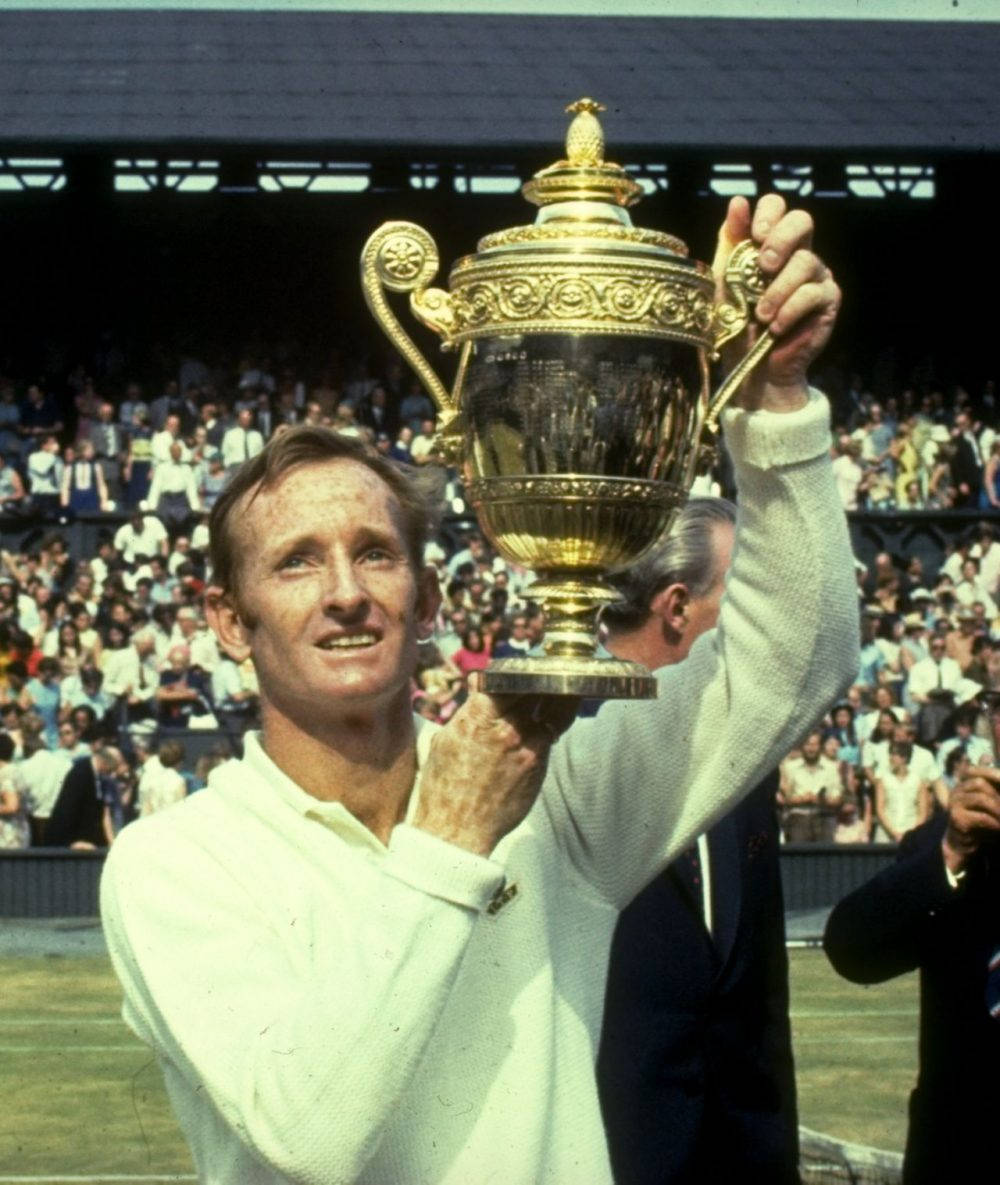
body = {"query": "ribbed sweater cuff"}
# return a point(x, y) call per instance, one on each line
point(768, 439)
point(439, 868)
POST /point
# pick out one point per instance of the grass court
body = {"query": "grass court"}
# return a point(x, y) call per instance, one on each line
point(82, 1100)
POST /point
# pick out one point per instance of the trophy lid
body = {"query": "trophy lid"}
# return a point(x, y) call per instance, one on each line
point(584, 175)
point(583, 196)
point(581, 267)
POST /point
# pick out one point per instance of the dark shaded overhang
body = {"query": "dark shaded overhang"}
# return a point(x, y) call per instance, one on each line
point(343, 82)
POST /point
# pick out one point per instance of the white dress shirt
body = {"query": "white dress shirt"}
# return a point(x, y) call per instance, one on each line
point(173, 477)
point(239, 445)
point(925, 676)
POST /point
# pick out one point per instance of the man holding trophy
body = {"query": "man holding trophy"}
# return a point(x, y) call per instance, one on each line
point(375, 951)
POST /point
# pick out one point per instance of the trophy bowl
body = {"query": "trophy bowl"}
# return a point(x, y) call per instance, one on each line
point(581, 405)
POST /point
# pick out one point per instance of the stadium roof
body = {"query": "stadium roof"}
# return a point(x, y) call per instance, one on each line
point(343, 81)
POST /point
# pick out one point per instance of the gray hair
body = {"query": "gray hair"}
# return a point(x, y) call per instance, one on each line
point(685, 555)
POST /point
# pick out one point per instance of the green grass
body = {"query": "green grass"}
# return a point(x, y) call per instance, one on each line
point(855, 1052)
point(81, 1096)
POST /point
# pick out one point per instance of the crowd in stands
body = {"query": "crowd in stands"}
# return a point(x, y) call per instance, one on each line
point(918, 452)
point(107, 667)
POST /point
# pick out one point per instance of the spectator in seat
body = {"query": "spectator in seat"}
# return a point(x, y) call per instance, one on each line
point(12, 492)
point(853, 824)
point(184, 693)
point(43, 771)
point(131, 677)
point(165, 785)
point(933, 685)
point(15, 831)
point(977, 749)
point(83, 815)
point(173, 493)
point(142, 535)
point(473, 654)
point(902, 798)
point(241, 442)
point(45, 470)
point(45, 695)
point(809, 793)
point(517, 641)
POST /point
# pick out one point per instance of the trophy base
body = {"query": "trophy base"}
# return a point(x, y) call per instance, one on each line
point(589, 678)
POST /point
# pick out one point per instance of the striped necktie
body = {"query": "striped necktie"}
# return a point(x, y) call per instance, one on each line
point(993, 985)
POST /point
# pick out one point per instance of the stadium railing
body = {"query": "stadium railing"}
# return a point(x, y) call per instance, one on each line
point(57, 882)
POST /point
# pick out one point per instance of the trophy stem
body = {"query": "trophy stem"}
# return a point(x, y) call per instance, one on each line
point(570, 664)
point(572, 606)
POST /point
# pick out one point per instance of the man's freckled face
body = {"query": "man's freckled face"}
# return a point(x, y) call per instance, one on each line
point(328, 594)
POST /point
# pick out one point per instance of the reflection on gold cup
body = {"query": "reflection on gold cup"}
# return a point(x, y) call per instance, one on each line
point(580, 409)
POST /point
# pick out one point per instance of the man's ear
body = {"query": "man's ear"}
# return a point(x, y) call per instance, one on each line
point(670, 605)
point(226, 623)
point(428, 601)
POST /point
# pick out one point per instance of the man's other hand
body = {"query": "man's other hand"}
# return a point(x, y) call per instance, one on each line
point(799, 306)
point(486, 766)
point(973, 816)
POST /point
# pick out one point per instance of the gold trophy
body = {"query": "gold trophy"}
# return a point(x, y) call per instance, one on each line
point(581, 406)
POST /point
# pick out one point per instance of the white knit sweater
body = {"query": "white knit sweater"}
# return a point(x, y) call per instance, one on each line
point(330, 1010)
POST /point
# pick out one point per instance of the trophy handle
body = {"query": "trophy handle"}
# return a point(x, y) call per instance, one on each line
point(743, 284)
point(402, 257)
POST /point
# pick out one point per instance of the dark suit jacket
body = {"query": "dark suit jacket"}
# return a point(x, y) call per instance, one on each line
point(695, 1069)
point(965, 468)
point(908, 917)
point(78, 812)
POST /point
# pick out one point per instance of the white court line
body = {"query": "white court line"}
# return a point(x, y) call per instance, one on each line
point(797, 1041)
point(853, 1015)
point(112, 1177)
point(103, 1019)
point(134, 1048)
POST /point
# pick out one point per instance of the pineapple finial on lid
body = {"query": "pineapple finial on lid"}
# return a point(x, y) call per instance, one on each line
point(585, 137)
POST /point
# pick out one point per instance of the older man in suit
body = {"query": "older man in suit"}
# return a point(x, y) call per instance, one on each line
point(108, 440)
point(695, 1067)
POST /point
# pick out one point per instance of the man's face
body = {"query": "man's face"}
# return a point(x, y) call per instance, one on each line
point(172, 425)
point(245, 417)
point(331, 605)
point(811, 748)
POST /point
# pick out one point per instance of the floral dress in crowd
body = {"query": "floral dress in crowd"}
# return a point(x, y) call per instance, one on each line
point(15, 831)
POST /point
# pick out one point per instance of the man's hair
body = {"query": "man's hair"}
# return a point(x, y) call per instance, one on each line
point(951, 762)
point(171, 753)
point(309, 444)
point(685, 555)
